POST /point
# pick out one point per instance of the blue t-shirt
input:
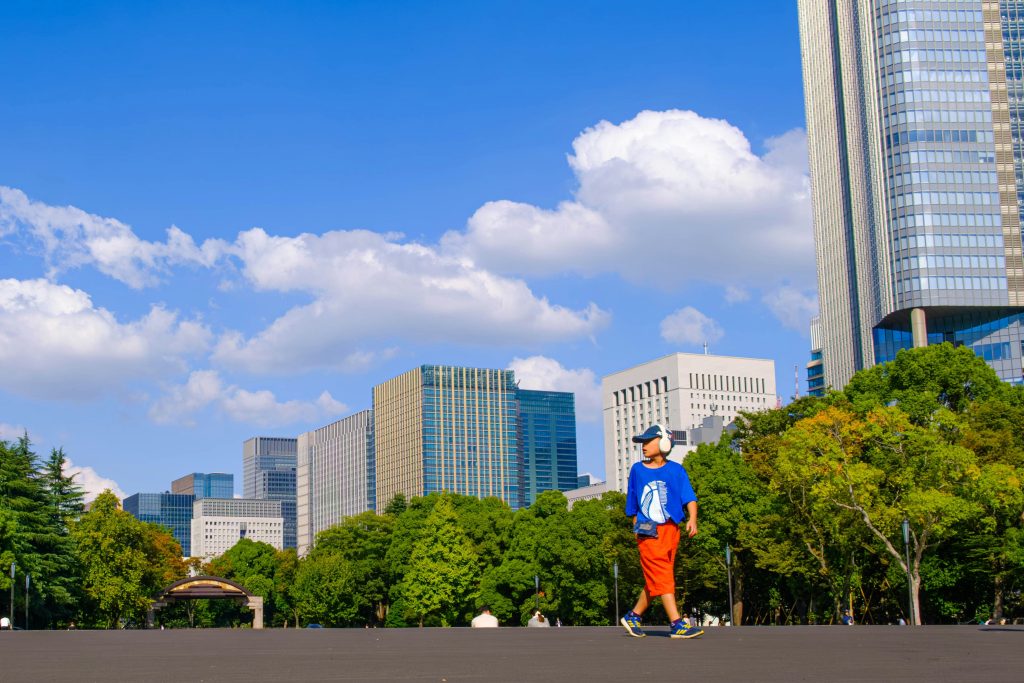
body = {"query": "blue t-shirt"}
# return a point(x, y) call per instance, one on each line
point(658, 494)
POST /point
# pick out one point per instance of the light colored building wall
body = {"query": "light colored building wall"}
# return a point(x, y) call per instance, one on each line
point(333, 475)
point(677, 391)
point(446, 428)
point(398, 430)
point(219, 523)
point(588, 492)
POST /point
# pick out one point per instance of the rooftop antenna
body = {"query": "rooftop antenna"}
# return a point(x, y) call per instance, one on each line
point(796, 381)
point(705, 348)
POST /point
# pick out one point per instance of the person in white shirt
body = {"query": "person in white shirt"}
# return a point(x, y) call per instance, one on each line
point(485, 619)
point(5, 624)
point(538, 620)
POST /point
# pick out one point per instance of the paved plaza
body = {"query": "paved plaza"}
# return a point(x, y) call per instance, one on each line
point(836, 653)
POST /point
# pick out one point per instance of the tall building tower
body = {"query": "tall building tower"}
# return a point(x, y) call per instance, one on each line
point(677, 391)
point(443, 428)
point(200, 485)
point(547, 442)
point(172, 510)
point(335, 477)
point(268, 473)
point(915, 125)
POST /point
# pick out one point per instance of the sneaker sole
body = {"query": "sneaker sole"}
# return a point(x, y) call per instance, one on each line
point(687, 637)
point(629, 630)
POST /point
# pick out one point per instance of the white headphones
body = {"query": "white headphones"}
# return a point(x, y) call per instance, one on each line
point(664, 440)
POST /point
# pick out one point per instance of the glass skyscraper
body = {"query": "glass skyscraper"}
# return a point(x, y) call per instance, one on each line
point(200, 485)
point(915, 124)
point(268, 473)
point(443, 428)
point(171, 510)
point(547, 442)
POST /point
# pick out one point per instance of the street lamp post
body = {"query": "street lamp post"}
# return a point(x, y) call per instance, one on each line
point(910, 585)
point(12, 594)
point(28, 580)
point(728, 570)
point(615, 572)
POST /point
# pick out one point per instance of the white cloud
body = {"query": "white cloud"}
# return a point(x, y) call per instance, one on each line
point(11, 432)
point(670, 184)
point(54, 343)
point(793, 307)
point(369, 290)
point(72, 238)
point(205, 388)
point(547, 374)
point(91, 482)
point(691, 327)
point(735, 295)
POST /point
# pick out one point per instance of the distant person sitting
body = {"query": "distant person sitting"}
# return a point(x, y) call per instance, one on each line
point(846, 619)
point(538, 620)
point(485, 619)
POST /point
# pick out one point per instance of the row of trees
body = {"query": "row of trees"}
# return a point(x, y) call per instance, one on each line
point(811, 498)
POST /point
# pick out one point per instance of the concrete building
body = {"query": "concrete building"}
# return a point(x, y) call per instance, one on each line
point(268, 473)
point(200, 485)
point(444, 428)
point(677, 391)
point(915, 126)
point(219, 523)
point(547, 442)
point(593, 489)
point(171, 510)
point(335, 476)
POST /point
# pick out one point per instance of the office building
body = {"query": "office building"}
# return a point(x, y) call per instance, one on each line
point(677, 391)
point(335, 476)
point(590, 491)
point(547, 442)
point(268, 473)
point(219, 523)
point(816, 366)
point(200, 485)
point(443, 428)
point(170, 510)
point(915, 125)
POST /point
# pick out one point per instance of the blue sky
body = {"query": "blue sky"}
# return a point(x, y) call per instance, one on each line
point(226, 220)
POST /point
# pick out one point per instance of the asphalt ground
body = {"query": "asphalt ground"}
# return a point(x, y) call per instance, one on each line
point(796, 653)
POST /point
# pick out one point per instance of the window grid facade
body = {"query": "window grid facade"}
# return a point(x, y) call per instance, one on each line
point(915, 115)
point(335, 473)
point(677, 391)
point(170, 510)
point(444, 428)
point(218, 524)
point(547, 442)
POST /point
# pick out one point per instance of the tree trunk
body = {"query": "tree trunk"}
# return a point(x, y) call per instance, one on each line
point(737, 602)
point(997, 597)
point(915, 585)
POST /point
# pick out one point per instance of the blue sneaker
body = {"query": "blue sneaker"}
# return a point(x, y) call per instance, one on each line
point(631, 622)
point(682, 631)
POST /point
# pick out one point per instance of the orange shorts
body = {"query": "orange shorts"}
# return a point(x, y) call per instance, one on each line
point(658, 559)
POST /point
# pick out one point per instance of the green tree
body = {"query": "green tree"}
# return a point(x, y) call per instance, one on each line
point(443, 569)
point(363, 541)
point(883, 468)
point(254, 565)
point(325, 590)
point(36, 538)
point(124, 562)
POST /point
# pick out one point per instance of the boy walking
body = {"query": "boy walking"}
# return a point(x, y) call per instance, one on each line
point(658, 491)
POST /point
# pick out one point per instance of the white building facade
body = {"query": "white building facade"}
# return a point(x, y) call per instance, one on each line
point(219, 523)
point(335, 475)
point(677, 391)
